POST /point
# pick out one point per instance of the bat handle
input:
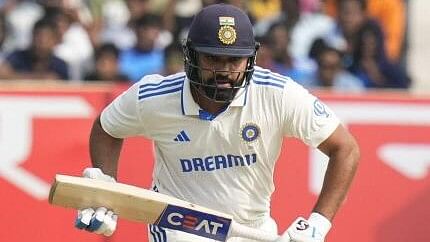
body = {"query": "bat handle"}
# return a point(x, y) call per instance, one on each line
point(238, 230)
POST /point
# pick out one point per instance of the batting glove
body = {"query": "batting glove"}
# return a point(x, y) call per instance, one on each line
point(313, 229)
point(101, 220)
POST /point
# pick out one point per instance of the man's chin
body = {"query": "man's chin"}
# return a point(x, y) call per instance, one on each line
point(225, 96)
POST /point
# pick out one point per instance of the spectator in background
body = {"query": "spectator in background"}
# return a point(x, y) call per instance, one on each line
point(310, 25)
point(3, 34)
point(122, 34)
point(38, 61)
point(264, 9)
point(110, 19)
point(265, 55)
point(280, 10)
point(137, 8)
point(144, 58)
point(76, 8)
point(309, 6)
point(289, 14)
point(300, 70)
point(331, 73)
point(20, 18)
point(371, 63)
point(115, 22)
point(352, 17)
point(178, 15)
point(73, 37)
point(304, 21)
point(174, 60)
point(391, 14)
point(106, 65)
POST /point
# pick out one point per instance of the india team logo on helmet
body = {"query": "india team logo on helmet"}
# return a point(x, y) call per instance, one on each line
point(227, 33)
point(250, 132)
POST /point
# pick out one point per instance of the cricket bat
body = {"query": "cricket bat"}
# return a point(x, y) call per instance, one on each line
point(142, 205)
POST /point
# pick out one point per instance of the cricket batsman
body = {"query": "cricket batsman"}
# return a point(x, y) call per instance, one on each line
point(218, 129)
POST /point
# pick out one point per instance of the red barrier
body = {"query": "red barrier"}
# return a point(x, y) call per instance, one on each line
point(46, 132)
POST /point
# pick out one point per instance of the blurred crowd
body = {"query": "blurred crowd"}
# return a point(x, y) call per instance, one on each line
point(346, 45)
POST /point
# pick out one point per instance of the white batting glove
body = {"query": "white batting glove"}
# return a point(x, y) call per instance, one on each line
point(313, 229)
point(97, 173)
point(101, 220)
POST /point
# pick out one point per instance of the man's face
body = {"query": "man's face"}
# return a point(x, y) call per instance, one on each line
point(351, 16)
point(329, 63)
point(279, 43)
point(223, 73)
point(369, 46)
point(137, 8)
point(146, 37)
point(44, 41)
point(107, 65)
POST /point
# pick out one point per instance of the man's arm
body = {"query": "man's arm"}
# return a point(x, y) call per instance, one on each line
point(104, 149)
point(343, 151)
point(120, 119)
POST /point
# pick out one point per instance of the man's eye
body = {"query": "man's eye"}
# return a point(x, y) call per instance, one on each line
point(211, 57)
point(235, 59)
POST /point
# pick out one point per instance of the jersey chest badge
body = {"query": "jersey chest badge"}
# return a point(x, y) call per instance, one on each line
point(249, 132)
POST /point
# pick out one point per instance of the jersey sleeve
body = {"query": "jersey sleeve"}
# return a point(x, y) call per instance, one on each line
point(306, 117)
point(121, 118)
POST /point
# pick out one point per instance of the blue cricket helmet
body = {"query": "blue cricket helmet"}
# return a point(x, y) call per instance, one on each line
point(219, 30)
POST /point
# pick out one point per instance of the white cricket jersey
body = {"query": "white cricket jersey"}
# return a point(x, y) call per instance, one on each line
point(224, 162)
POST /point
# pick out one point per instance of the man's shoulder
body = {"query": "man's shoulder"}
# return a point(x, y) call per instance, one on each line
point(270, 80)
point(23, 56)
point(58, 62)
point(152, 86)
point(269, 84)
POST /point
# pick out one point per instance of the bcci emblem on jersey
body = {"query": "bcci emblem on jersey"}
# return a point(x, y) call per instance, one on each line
point(320, 109)
point(249, 132)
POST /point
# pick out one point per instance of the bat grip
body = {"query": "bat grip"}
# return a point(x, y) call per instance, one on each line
point(238, 230)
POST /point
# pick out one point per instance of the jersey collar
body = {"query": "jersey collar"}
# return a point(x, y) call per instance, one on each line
point(191, 108)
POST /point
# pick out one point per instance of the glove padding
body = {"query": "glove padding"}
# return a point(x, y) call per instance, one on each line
point(101, 220)
point(97, 173)
point(313, 229)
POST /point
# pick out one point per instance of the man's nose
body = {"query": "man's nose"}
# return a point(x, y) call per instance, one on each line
point(223, 66)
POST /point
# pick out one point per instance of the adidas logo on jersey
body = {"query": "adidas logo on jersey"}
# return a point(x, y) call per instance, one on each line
point(182, 137)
